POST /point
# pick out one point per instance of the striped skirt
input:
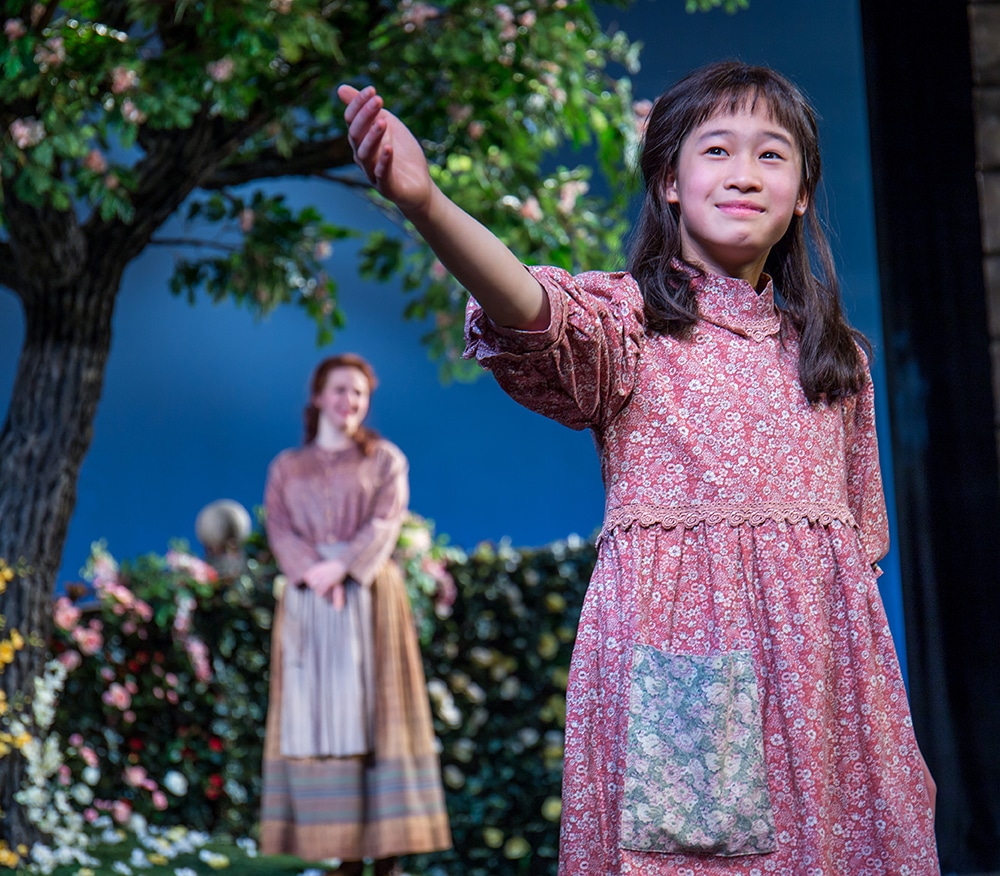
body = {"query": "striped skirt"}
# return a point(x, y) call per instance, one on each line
point(386, 804)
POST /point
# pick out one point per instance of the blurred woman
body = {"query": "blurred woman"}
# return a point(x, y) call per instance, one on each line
point(350, 770)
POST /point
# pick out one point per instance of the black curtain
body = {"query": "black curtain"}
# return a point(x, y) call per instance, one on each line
point(919, 79)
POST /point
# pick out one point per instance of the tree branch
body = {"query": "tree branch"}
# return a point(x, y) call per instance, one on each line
point(307, 159)
point(193, 242)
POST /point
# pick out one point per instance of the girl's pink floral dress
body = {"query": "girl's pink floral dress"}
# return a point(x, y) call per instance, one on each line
point(735, 704)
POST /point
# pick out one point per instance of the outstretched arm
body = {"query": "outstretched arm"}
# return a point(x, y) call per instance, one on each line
point(394, 162)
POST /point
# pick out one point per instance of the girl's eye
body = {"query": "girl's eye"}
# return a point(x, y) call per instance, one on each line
point(715, 150)
point(771, 156)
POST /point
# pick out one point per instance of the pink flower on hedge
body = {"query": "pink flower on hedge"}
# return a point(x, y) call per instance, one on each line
point(159, 800)
point(65, 614)
point(88, 639)
point(121, 811)
point(198, 569)
point(71, 660)
point(76, 740)
point(89, 756)
point(197, 652)
point(117, 696)
point(135, 776)
point(90, 815)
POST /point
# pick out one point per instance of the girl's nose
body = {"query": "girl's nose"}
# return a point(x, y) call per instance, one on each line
point(743, 174)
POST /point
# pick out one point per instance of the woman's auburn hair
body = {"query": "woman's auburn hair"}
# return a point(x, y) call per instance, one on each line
point(831, 362)
point(364, 437)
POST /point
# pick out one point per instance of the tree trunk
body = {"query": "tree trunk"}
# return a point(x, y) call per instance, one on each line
point(47, 433)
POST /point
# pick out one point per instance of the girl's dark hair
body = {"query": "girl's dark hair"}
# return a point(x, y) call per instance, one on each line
point(830, 364)
point(364, 437)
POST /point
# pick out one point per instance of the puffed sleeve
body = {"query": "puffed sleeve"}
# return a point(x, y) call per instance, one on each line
point(294, 553)
point(864, 477)
point(376, 538)
point(580, 369)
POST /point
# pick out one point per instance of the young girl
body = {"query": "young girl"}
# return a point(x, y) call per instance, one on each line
point(735, 703)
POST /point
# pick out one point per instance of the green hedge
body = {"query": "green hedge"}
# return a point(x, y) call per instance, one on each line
point(162, 712)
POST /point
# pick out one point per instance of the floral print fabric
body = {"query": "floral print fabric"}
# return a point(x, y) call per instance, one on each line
point(695, 779)
point(738, 518)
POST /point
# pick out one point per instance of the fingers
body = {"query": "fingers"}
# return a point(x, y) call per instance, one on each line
point(367, 126)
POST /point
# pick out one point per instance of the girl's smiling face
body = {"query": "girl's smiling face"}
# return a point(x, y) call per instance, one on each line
point(344, 400)
point(738, 184)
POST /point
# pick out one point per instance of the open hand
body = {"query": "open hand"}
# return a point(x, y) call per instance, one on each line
point(385, 150)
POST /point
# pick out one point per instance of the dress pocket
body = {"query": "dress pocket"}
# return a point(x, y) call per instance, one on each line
point(695, 776)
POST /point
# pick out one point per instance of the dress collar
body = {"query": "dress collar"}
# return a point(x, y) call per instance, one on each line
point(735, 305)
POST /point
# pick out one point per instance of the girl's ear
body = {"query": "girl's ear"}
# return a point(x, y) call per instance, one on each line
point(801, 204)
point(670, 188)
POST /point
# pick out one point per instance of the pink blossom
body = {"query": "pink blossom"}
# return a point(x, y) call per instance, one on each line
point(198, 653)
point(476, 129)
point(438, 272)
point(90, 815)
point(65, 614)
point(117, 696)
point(414, 16)
point(528, 18)
point(14, 28)
point(27, 132)
point(322, 250)
point(76, 740)
point(107, 673)
point(172, 697)
point(131, 113)
point(131, 687)
point(65, 776)
point(95, 161)
point(247, 219)
point(135, 776)
point(459, 112)
point(123, 79)
point(171, 679)
point(282, 7)
point(51, 53)
point(531, 209)
point(89, 640)
point(569, 193)
point(128, 716)
point(89, 756)
point(71, 660)
point(37, 13)
point(112, 182)
point(159, 800)
point(121, 811)
point(221, 70)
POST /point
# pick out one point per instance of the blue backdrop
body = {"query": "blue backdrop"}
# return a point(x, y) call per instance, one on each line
point(198, 400)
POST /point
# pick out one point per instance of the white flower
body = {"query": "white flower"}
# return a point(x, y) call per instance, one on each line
point(184, 871)
point(175, 783)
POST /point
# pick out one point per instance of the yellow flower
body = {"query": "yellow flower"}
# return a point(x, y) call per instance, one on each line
point(6, 652)
point(17, 640)
point(156, 858)
point(85, 871)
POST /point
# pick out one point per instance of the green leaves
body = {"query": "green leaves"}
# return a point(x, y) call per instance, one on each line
point(269, 255)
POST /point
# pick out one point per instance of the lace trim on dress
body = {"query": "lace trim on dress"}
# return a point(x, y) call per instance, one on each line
point(689, 516)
